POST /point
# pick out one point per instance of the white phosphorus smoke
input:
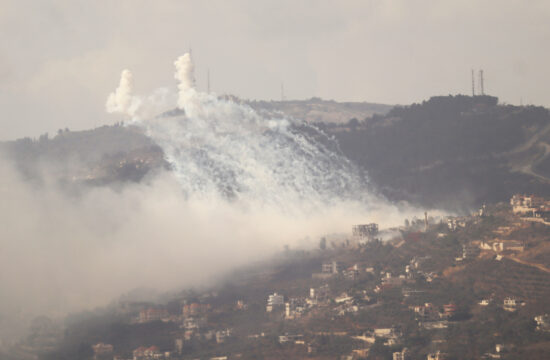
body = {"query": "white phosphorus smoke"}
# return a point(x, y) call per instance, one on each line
point(185, 74)
point(221, 151)
point(219, 148)
point(242, 185)
point(121, 100)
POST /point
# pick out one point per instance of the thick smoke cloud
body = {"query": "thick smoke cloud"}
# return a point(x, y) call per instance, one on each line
point(121, 99)
point(241, 187)
point(62, 253)
point(185, 74)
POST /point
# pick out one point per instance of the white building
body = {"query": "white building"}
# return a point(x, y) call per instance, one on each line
point(274, 300)
point(401, 355)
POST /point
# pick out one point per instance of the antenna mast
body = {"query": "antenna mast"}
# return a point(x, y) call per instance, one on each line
point(481, 85)
point(282, 92)
point(473, 84)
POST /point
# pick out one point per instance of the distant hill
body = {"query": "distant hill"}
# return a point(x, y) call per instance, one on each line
point(104, 155)
point(452, 151)
point(319, 110)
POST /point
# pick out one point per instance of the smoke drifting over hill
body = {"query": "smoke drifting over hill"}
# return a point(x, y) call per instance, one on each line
point(242, 186)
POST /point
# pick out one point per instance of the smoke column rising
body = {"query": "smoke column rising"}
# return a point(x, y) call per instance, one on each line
point(224, 151)
point(121, 99)
point(185, 74)
point(242, 185)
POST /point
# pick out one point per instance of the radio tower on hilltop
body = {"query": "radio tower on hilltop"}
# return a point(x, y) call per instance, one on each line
point(473, 84)
point(481, 85)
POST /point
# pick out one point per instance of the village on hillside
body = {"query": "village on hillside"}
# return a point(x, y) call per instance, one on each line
point(463, 287)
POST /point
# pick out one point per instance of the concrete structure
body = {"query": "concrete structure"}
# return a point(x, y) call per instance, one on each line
point(290, 338)
point(436, 356)
point(147, 353)
point(102, 351)
point(331, 267)
point(511, 304)
point(449, 309)
point(274, 301)
point(152, 314)
point(455, 223)
point(522, 204)
point(400, 355)
point(543, 322)
point(195, 309)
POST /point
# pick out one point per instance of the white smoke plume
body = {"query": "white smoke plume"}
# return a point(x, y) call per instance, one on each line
point(185, 74)
point(121, 100)
point(221, 151)
point(241, 186)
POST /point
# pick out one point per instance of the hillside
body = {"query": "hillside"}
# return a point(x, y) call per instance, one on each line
point(325, 111)
point(104, 155)
point(367, 300)
point(452, 152)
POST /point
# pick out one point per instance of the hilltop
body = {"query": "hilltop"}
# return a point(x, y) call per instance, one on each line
point(324, 111)
point(449, 152)
point(452, 152)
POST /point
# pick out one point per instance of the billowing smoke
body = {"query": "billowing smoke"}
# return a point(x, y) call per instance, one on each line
point(121, 100)
point(185, 74)
point(223, 150)
point(241, 186)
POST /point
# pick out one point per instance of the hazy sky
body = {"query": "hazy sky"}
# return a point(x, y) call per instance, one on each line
point(59, 60)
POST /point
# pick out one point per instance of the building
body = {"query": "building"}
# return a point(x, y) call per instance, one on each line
point(273, 301)
point(508, 245)
point(152, 314)
point(352, 272)
point(147, 353)
point(485, 302)
point(511, 304)
point(319, 294)
point(290, 338)
point(178, 346)
point(522, 204)
point(385, 333)
point(543, 322)
point(449, 309)
point(400, 355)
point(294, 308)
point(436, 356)
point(425, 312)
point(455, 223)
point(221, 335)
point(503, 245)
point(195, 309)
point(332, 267)
point(102, 351)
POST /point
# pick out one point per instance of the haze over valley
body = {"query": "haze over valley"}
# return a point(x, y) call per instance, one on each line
point(367, 180)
